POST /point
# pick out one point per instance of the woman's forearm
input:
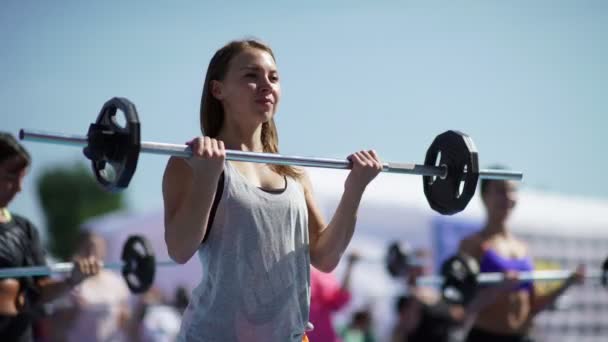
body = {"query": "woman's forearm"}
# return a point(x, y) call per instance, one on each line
point(51, 289)
point(335, 237)
point(542, 302)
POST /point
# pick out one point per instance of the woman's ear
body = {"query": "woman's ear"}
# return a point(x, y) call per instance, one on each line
point(217, 89)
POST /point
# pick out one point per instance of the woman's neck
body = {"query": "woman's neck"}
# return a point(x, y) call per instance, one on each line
point(242, 138)
point(495, 227)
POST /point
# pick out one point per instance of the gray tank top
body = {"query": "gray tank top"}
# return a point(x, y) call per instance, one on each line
point(255, 282)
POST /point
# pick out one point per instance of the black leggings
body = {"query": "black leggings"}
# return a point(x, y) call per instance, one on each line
point(479, 335)
point(16, 328)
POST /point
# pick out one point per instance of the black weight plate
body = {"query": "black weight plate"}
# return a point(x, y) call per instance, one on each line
point(396, 260)
point(459, 279)
point(112, 148)
point(139, 266)
point(458, 154)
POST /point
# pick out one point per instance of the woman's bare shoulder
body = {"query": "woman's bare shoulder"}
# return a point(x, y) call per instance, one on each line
point(472, 245)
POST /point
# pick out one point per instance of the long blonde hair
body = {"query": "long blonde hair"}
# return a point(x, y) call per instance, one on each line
point(212, 111)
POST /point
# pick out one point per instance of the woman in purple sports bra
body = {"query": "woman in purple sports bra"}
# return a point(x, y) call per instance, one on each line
point(509, 309)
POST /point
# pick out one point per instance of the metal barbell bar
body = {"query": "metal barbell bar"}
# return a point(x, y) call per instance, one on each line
point(450, 171)
point(62, 267)
point(137, 265)
point(497, 277)
point(179, 150)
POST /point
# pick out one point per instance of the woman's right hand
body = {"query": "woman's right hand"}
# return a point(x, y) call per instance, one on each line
point(208, 155)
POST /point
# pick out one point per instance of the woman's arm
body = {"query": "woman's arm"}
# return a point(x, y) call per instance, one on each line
point(328, 242)
point(189, 187)
point(187, 202)
point(51, 289)
point(542, 302)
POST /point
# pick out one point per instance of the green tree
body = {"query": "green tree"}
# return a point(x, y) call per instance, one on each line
point(69, 196)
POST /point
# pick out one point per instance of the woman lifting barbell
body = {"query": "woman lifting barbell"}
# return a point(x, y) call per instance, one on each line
point(20, 246)
point(507, 315)
point(256, 227)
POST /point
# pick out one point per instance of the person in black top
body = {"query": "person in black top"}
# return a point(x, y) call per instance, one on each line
point(423, 321)
point(422, 314)
point(21, 298)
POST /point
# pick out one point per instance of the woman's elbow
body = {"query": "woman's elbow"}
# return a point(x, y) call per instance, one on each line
point(177, 252)
point(324, 264)
point(177, 256)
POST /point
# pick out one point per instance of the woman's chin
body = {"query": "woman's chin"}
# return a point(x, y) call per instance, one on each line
point(265, 115)
point(258, 115)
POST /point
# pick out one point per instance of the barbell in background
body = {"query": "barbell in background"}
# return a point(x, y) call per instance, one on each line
point(450, 172)
point(62, 267)
point(459, 276)
point(462, 279)
point(138, 266)
point(456, 294)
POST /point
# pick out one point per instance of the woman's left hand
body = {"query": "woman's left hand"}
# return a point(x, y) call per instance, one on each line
point(84, 268)
point(578, 276)
point(365, 167)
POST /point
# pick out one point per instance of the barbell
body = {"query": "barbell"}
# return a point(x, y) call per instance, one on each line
point(460, 278)
point(450, 171)
point(138, 266)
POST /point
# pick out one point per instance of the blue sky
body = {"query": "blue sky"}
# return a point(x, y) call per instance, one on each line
point(527, 80)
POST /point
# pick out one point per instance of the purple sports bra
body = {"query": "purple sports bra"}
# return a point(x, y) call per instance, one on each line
point(494, 262)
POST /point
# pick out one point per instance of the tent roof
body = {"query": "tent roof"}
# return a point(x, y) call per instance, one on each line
point(536, 210)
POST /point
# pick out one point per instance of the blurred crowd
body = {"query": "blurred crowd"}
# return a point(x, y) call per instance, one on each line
point(101, 308)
